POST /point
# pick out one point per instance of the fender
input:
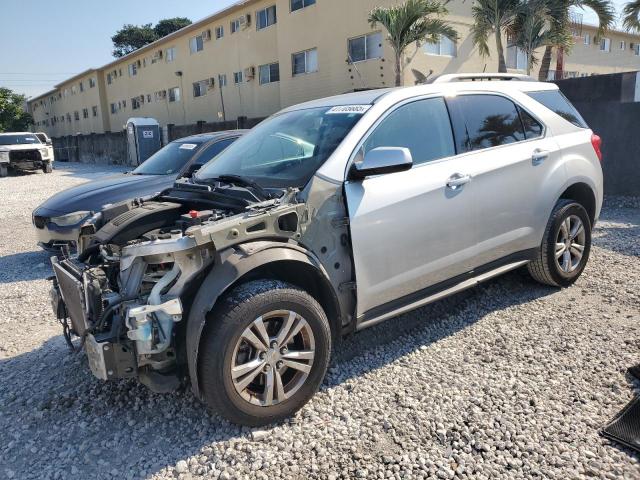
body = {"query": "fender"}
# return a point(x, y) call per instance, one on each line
point(232, 264)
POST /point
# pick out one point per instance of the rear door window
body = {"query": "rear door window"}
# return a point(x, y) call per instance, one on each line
point(532, 128)
point(554, 100)
point(422, 126)
point(484, 121)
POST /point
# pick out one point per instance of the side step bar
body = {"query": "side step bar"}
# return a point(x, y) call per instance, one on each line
point(463, 285)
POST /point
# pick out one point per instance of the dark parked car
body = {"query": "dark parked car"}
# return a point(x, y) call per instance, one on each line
point(58, 220)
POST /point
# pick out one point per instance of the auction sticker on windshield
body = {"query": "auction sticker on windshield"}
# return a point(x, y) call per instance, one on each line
point(347, 109)
point(188, 146)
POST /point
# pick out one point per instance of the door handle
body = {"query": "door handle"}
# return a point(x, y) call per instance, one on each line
point(457, 180)
point(539, 156)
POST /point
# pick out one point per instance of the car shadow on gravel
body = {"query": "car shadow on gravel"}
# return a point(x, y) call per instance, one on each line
point(70, 418)
point(25, 266)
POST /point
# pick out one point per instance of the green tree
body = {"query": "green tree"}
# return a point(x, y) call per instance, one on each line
point(531, 30)
point(170, 25)
point(560, 24)
point(413, 21)
point(13, 117)
point(132, 37)
point(631, 16)
point(493, 17)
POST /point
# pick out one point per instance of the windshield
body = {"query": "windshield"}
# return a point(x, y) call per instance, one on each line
point(18, 139)
point(169, 160)
point(286, 150)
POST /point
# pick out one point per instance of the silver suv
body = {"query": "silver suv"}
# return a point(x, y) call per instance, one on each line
point(325, 219)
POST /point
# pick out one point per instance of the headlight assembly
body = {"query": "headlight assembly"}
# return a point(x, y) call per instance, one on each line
point(70, 218)
point(4, 156)
point(44, 152)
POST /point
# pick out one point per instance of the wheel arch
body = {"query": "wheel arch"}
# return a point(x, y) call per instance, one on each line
point(273, 260)
point(584, 195)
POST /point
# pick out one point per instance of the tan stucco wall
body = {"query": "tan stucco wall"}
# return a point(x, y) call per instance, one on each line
point(327, 26)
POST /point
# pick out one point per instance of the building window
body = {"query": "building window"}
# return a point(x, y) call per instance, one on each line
point(219, 32)
point(636, 49)
point(200, 88)
point(623, 45)
point(94, 111)
point(133, 69)
point(196, 44)
point(605, 44)
point(74, 90)
point(305, 62)
point(444, 47)
point(148, 98)
point(76, 115)
point(299, 4)
point(238, 77)
point(170, 54)
point(81, 87)
point(108, 79)
point(266, 17)
point(92, 82)
point(516, 58)
point(135, 103)
point(269, 73)
point(85, 113)
point(222, 80)
point(365, 47)
point(587, 39)
point(235, 25)
point(114, 108)
point(174, 94)
point(68, 117)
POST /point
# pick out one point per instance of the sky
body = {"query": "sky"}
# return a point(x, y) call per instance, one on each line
point(43, 45)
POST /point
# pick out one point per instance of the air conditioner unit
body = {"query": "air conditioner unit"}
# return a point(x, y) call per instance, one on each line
point(206, 35)
point(211, 82)
point(245, 20)
point(249, 73)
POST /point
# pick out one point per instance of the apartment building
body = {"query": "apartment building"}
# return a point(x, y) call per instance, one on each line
point(258, 56)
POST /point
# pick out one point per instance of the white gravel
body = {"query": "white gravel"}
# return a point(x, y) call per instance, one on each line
point(509, 380)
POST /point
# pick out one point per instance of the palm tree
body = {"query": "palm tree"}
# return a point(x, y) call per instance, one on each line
point(492, 17)
point(559, 11)
point(414, 21)
point(531, 30)
point(631, 16)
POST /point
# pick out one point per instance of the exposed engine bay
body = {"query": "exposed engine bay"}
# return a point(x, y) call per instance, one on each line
point(128, 293)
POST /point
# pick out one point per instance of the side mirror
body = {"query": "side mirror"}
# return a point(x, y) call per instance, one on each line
point(382, 160)
point(49, 142)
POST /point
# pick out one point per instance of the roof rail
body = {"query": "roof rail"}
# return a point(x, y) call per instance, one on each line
point(479, 77)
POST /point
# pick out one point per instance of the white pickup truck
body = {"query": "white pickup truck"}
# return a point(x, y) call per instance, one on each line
point(25, 151)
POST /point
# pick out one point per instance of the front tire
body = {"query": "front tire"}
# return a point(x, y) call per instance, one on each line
point(4, 171)
point(47, 167)
point(264, 352)
point(565, 246)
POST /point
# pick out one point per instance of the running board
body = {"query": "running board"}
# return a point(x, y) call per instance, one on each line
point(468, 283)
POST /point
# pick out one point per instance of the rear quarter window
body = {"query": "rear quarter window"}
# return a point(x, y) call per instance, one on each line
point(555, 101)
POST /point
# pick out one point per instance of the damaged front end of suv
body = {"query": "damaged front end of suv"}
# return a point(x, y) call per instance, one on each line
point(150, 273)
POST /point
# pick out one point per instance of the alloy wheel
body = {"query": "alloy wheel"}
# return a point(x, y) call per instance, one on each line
point(570, 244)
point(273, 358)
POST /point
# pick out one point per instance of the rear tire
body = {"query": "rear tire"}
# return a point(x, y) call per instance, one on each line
point(4, 171)
point(47, 167)
point(565, 246)
point(264, 352)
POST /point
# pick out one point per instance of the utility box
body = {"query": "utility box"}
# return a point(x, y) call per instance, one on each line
point(143, 139)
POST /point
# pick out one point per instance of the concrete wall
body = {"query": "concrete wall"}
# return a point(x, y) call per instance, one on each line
point(607, 105)
point(109, 148)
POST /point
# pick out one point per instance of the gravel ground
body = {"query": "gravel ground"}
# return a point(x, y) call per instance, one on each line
point(509, 380)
